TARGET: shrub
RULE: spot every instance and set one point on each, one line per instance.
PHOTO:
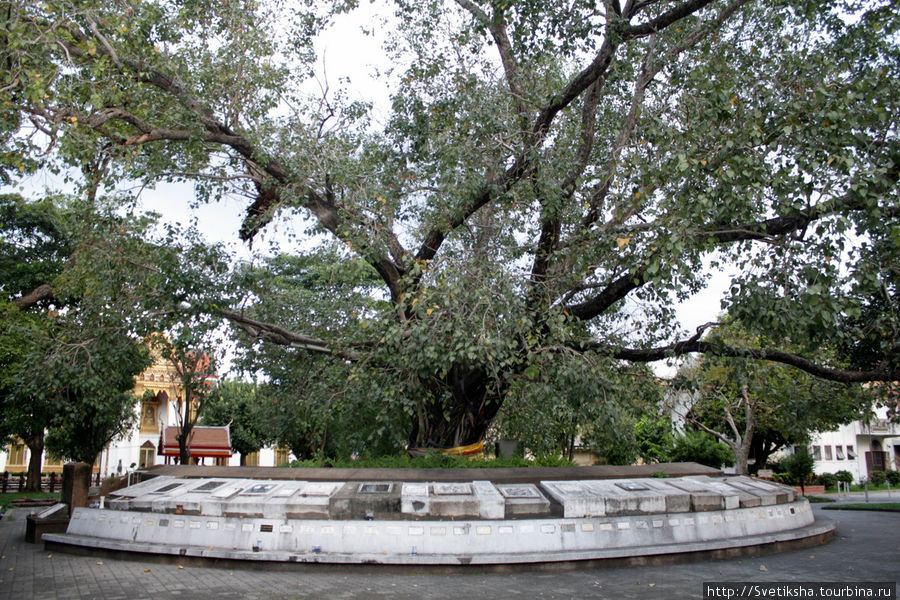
(829, 480)
(845, 476)
(781, 478)
(699, 447)
(776, 466)
(799, 467)
(893, 477)
(877, 477)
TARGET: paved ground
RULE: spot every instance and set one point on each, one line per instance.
(866, 548)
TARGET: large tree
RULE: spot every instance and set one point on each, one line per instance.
(550, 178)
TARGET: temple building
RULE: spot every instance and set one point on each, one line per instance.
(153, 441)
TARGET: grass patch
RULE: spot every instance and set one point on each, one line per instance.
(432, 461)
(872, 488)
(879, 506)
(6, 499)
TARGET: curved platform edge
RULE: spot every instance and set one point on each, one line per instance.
(819, 532)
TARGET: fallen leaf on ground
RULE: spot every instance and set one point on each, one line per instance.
(99, 562)
(146, 570)
(763, 568)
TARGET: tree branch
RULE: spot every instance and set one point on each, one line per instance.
(281, 336)
(219, 133)
(33, 297)
(854, 200)
(886, 371)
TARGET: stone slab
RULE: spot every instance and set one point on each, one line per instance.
(54, 519)
(783, 493)
(523, 499)
(767, 496)
(310, 501)
(361, 500)
(415, 498)
(490, 502)
(703, 497)
(636, 499)
(677, 501)
(576, 498)
(730, 496)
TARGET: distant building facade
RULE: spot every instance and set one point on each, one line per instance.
(151, 441)
(858, 447)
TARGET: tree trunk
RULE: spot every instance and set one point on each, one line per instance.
(35, 445)
(466, 416)
(741, 454)
(762, 449)
(184, 452)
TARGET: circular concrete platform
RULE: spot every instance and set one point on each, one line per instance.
(442, 523)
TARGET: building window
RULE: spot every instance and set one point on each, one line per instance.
(839, 452)
(851, 453)
(817, 452)
(827, 452)
(148, 454)
(16, 455)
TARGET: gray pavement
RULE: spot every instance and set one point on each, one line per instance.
(866, 547)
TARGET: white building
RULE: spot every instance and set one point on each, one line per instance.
(859, 448)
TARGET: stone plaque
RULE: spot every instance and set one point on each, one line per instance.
(518, 491)
(632, 486)
(569, 488)
(285, 491)
(167, 488)
(208, 486)
(452, 489)
(320, 489)
(259, 489)
(375, 488)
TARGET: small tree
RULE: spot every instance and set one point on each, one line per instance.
(87, 376)
(195, 375)
(653, 435)
(799, 467)
(239, 405)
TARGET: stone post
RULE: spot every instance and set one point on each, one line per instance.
(76, 481)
